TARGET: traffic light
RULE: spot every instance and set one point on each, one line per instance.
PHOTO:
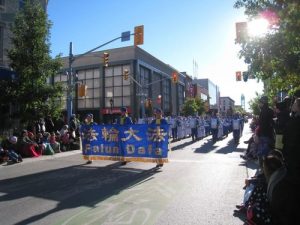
(82, 90)
(126, 74)
(139, 35)
(159, 99)
(105, 59)
(241, 31)
(238, 76)
(245, 75)
(174, 77)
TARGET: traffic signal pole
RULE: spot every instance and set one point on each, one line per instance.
(71, 76)
(125, 36)
(70, 85)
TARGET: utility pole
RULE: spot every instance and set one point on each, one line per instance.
(70, 84)
(125, 36)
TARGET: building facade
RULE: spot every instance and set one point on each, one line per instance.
(226, 106)
(212, 91)
(107, 89)
(8, 10)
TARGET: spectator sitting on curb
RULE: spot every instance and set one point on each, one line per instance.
(54, 142)
(28, 147)
(9, 150)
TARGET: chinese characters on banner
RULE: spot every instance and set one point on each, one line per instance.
(138, 142)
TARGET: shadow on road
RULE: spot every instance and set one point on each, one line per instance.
(206, 147)
(181, 146)
(209, 146)
(230, 147)
(74, 186)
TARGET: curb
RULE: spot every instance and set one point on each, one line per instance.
(46, 157)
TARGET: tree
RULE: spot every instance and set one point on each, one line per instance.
(275, 57)
(193, 106)
(254, 104)
(30, 59)
(239, 109)
(200, 106)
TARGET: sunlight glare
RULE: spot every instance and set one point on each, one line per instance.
(258, 27)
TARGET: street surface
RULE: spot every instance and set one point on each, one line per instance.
(200, 185)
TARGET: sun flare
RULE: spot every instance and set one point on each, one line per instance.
(258, 27)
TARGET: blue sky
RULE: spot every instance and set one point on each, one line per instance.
(177, 32)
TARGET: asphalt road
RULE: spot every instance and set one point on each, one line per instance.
(201, 184)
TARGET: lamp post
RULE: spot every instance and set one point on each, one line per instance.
(111, 101)
(70, 84)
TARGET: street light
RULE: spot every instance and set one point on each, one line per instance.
(111, 102)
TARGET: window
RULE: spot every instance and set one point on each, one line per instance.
(116, 87)
(62, 78)
(166, 95)
(90, 77)
(1, 43)
(180, 95)
(144, 78)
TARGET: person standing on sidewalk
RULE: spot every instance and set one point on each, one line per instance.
(73, 124)
(291, 143)
(265, 130)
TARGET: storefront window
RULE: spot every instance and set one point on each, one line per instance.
(90, 77)
(116, 87)
(166, 95)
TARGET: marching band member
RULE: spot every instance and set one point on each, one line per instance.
(89, 120)
(159, 120)
(214, 127)
(193, 126)
(173, 124)
(124, 119)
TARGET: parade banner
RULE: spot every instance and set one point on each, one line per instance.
(137, 142)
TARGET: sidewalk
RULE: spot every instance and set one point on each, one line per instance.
(44, 157)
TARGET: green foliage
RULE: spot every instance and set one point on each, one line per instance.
(274, 58)
(254, 105)
(240, 110)
(193, 106)
(200, 106)
(30, 58)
